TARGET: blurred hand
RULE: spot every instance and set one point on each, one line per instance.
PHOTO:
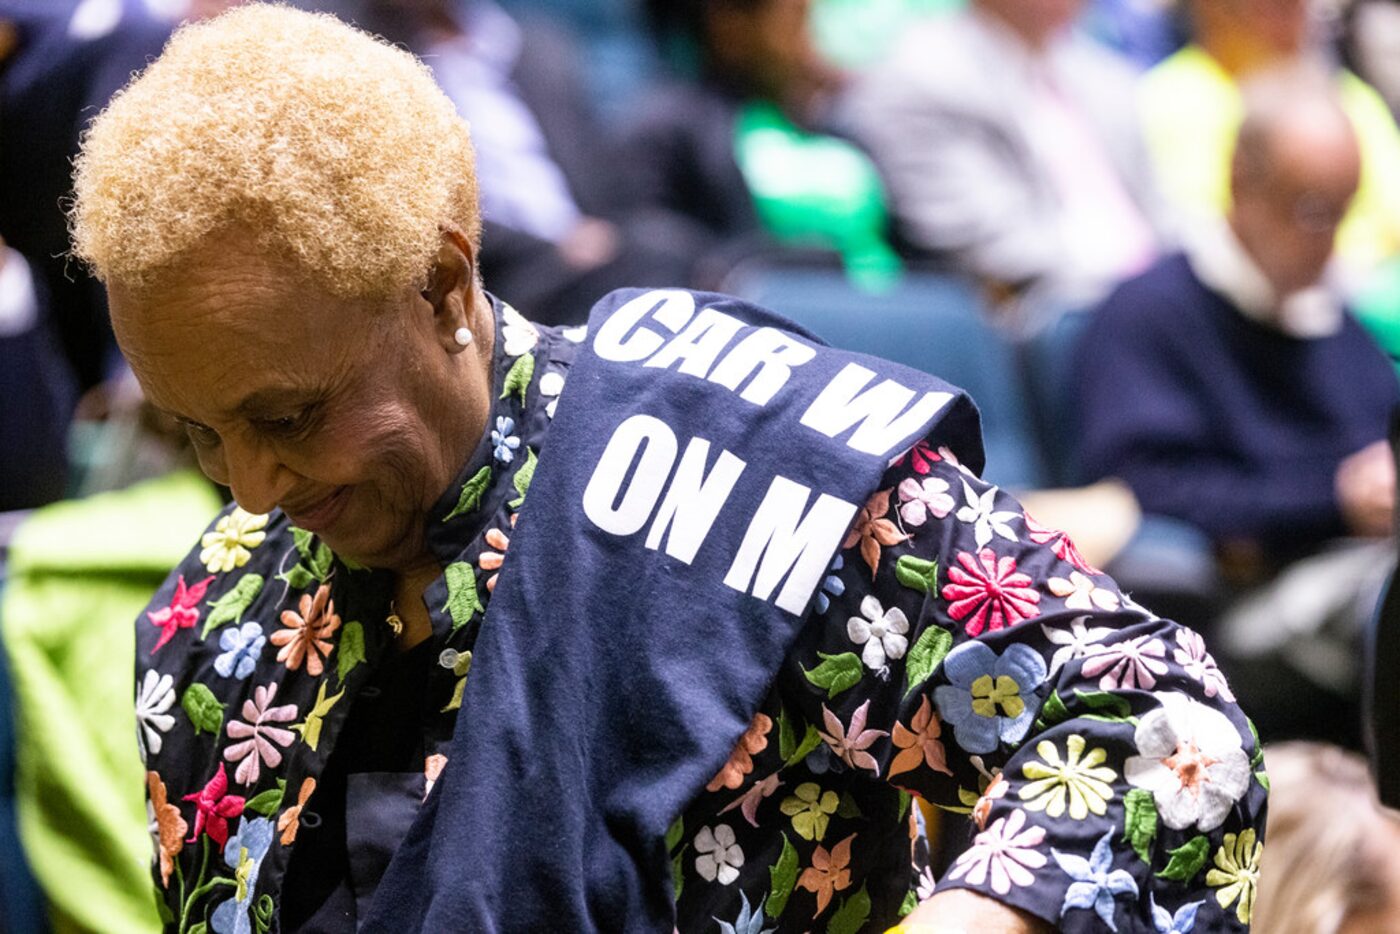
(1365, 485)
(592, 243)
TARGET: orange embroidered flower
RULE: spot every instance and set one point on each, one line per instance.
(829, 873)
(920, 743)
(754, 741)
(307, 636)
(492, 560)
(432, 768)
(983, 808)
(872, 530)
(166, 825)
(290, 819)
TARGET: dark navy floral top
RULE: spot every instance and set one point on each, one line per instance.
(958, 652)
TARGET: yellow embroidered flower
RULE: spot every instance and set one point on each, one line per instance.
(810, 809)
(1237, 873)
(1083, 779)
(227, 547)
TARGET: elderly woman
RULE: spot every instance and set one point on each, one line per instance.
(757, 596)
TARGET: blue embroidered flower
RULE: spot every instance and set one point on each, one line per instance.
(1096, 884)
(241, 647)
(750, 920)
(503, 442)
(833, 585)
(1184, 921)
(243, 854)
(990, 698)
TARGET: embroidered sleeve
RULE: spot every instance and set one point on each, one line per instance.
(973, 658)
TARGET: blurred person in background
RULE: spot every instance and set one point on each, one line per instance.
(1011, 148)
(738, 149)
(1230, 388)
(1191, 110)
(1332, 865)
(553, 195)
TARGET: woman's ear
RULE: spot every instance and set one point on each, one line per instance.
(452, 289)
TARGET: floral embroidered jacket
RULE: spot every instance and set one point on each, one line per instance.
(958, 651)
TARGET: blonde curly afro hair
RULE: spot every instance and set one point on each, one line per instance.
(337, 151)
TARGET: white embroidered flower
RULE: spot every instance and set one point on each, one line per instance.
(1198, 663)
(1080, 593)
(1075, 642)
(1192, 760)
(882, 632)
(922, 498)
(985, 519)
(551, 385)
(520, 335)
(720, 857)
(1126, 665)
(1004, 853)
(156, 696)
(229, 545)
(575, 335)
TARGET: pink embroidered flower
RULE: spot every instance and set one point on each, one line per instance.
(921, 458)
(213, 807)
(258, 736)
(989, 593)
(1004, 853)
(182, 613)
(1127, 665)
(850, 745)
(923, 498)
(1199, 664)
(307, 631)
(1063, 547)
(748, 802)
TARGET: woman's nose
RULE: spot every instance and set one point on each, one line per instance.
(256, 475)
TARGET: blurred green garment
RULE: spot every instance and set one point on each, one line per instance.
(810, 189)
(1377, 307)
(79, 573)
(854, 33)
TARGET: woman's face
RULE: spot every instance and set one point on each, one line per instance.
(352, 417)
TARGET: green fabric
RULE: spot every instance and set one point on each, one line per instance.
(79, 573)
(811, 189)
(855, 33)
(1378, 309)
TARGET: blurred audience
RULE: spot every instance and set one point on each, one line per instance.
(1011, 147)
(1191, 109)
(556, 235)
(737, 151)
(1229, 387)
(1332, 860)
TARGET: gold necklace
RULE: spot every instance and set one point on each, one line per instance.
(394, 620)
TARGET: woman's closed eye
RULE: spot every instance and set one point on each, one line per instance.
(289, 426)
(202, 436)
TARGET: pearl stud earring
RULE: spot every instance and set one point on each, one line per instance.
(463, 337)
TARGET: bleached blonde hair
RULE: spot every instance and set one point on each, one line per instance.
(335, 150)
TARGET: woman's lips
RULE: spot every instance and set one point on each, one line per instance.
(322, 514)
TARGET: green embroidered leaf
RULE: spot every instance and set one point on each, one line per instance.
(677, 872)
(230, 607)
(472, 492)
(523, 476)
(848, 807)
(1099, 718)
(1258, 747)
(1140, 822)
(787, 737)
(266, 803)
(675, 833)
(810, 740)
(1263, 780)
(263, 912)
(310, 728)
(916, 573)
(925, 655)
(852, 914)
(351, 565)
(298, 578)
(1052, 711)
(783, 875)
(836, 673)
(911, 901)
(905, 798)
(462, 599)
(321, 561)
(203, 709)
(200, 928)
(302, 539)
(1103, 702)
(1187, 860)
(518, 379)
(351, 650)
